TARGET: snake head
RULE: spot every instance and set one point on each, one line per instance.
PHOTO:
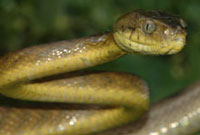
(150, 32)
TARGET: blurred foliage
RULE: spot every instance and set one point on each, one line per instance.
(28, 22)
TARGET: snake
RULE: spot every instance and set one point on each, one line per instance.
(72, 101)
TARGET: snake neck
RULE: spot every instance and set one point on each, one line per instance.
(55, 58)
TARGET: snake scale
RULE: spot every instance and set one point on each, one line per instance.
(97, 103)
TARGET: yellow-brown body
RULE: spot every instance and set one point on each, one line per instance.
(109, 99)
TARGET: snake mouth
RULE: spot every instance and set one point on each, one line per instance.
(130, 46)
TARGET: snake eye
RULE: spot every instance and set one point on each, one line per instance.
(148, 27)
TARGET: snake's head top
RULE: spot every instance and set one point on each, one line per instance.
(150, 32)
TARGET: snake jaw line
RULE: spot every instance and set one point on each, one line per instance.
(147, 49)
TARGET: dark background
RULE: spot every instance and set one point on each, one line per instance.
(25, 23)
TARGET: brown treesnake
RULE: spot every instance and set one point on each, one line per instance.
(96, 102)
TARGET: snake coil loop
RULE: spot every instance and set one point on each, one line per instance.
(109, 99)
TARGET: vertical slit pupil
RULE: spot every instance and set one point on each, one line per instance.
(147, 26)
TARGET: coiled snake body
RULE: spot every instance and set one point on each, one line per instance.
(109, 99)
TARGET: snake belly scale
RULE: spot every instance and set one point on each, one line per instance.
(109, 99)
